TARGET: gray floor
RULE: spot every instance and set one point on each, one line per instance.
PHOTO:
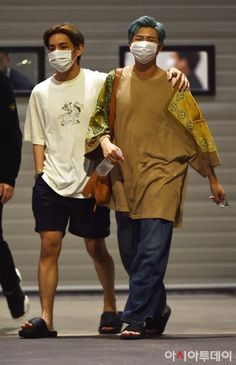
(202, 329)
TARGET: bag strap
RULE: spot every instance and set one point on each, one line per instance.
(112, 103)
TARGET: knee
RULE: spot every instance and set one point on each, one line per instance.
(97, 250)
(50, 247)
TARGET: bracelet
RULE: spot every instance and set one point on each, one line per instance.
(37, 173)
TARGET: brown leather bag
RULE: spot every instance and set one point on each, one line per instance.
(99, 187)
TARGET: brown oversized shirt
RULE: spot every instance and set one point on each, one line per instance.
(157, 149)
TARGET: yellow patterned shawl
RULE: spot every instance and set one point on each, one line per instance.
(184, 108)
(99, 122)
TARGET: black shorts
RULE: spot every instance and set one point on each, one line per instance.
(52, 212)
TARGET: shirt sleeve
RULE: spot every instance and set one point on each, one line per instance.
(99, 122)
(184, 108)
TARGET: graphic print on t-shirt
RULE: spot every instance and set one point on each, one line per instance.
(71, 113)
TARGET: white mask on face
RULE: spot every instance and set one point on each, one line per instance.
(61, 60)
(143, 51)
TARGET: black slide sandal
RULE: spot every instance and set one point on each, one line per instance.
(39, 329)
(112, 320)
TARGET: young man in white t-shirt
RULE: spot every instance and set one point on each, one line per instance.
(57, 119)
(56, 123)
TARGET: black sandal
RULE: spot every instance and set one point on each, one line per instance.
(110, 323)
(39, 329)
(134, 327)
(156, 326)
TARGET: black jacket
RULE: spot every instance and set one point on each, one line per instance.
(10, 134)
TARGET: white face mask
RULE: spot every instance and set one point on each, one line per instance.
(61, 60)
(143, 51)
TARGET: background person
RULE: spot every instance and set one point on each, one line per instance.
(18, 80)
(10, 152)
(187, 62)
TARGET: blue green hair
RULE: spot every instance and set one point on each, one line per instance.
(146, 21)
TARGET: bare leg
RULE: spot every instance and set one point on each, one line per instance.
(48, 274)
(104, 266)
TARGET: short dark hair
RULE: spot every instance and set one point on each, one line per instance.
(192, 58)
(75, 36)
(146, 21)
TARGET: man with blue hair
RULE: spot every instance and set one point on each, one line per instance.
(158, 132)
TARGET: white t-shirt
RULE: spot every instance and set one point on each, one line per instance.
(57, 117)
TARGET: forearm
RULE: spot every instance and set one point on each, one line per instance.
(39, 157)
(212, 175)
